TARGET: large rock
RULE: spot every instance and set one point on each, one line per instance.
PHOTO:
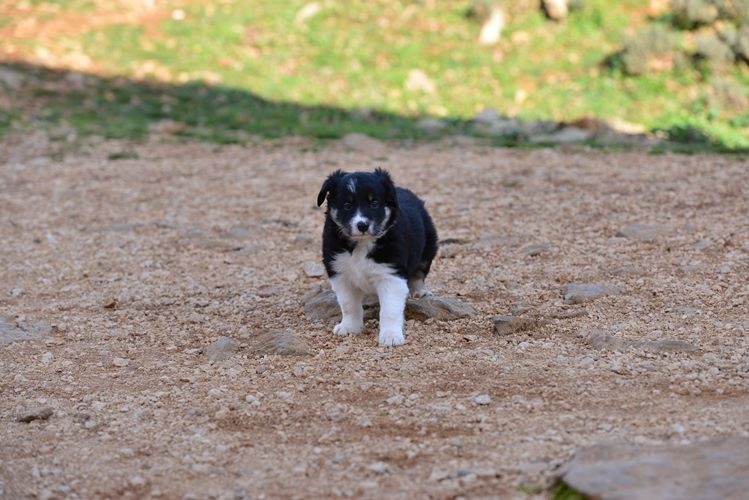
(713, 469)
(320, 304)
(436, 307)
(13, 331)
(577, 293)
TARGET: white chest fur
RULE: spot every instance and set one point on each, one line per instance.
(359, 270)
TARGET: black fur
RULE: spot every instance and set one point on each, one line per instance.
(407, 240)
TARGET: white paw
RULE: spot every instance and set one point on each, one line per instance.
(344, 328)
(391, 337)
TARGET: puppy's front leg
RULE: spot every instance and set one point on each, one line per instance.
(350, 299)
(392, 292)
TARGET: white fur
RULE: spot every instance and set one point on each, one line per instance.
(351, 186)
(356, 219)
(358, 276)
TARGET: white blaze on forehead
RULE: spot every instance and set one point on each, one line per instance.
(351, 185)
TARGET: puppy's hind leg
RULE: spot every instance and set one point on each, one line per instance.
(350, 299)
(392, 293)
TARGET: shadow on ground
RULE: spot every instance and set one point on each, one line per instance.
(119, 107)
(37, 97)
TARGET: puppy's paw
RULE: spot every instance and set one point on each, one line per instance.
(345, 328)
(417, 294)
(391, 337)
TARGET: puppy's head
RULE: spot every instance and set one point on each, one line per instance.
(362, 204)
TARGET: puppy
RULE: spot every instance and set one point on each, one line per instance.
(377, 239)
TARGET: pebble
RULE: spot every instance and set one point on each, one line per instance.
(541, 248)
(121, 362)
(279, 342)
(577, 293)
(505, 325)
(34, 413)
(221, 349)
(482, 399)
(379, 467)
(314, 269)
(642, 232)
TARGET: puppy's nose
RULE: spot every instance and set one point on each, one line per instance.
(362, 226)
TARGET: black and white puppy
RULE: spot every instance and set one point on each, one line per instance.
(378, 239)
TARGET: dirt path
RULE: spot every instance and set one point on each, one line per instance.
(137, 264)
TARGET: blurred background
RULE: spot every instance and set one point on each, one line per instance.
(519, 72)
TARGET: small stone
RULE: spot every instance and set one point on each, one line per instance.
(47, 358)
(110, 303)
(121, 362)
(268, 291)
(505, 325)
(221, 349)
(34, 413)
(603, 341)
(379, 467)
(395, 400)
(21, 331)
(665, 345)
(482, 399)
(577, 293)
(536, 250)
(314, 269)
(137, 481)
(279, 342)
(642, 232)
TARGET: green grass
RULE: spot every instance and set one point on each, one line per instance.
(563, 492)
(237, 66)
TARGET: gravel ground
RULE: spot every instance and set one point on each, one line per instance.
(124, 270)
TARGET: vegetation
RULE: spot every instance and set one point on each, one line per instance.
(226, 69)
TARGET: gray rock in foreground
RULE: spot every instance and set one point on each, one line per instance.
(34, 413)
(278, 342)
(713, 469)
(505, 325)
(320, 304)
(222, 349)
(577, 293)
(12, 331)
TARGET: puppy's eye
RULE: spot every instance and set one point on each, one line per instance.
(374, 203)
(347, 206)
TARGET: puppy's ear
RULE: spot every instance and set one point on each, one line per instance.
(390, 197)
(329, 185)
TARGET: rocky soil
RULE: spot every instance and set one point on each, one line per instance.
(154, 340)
